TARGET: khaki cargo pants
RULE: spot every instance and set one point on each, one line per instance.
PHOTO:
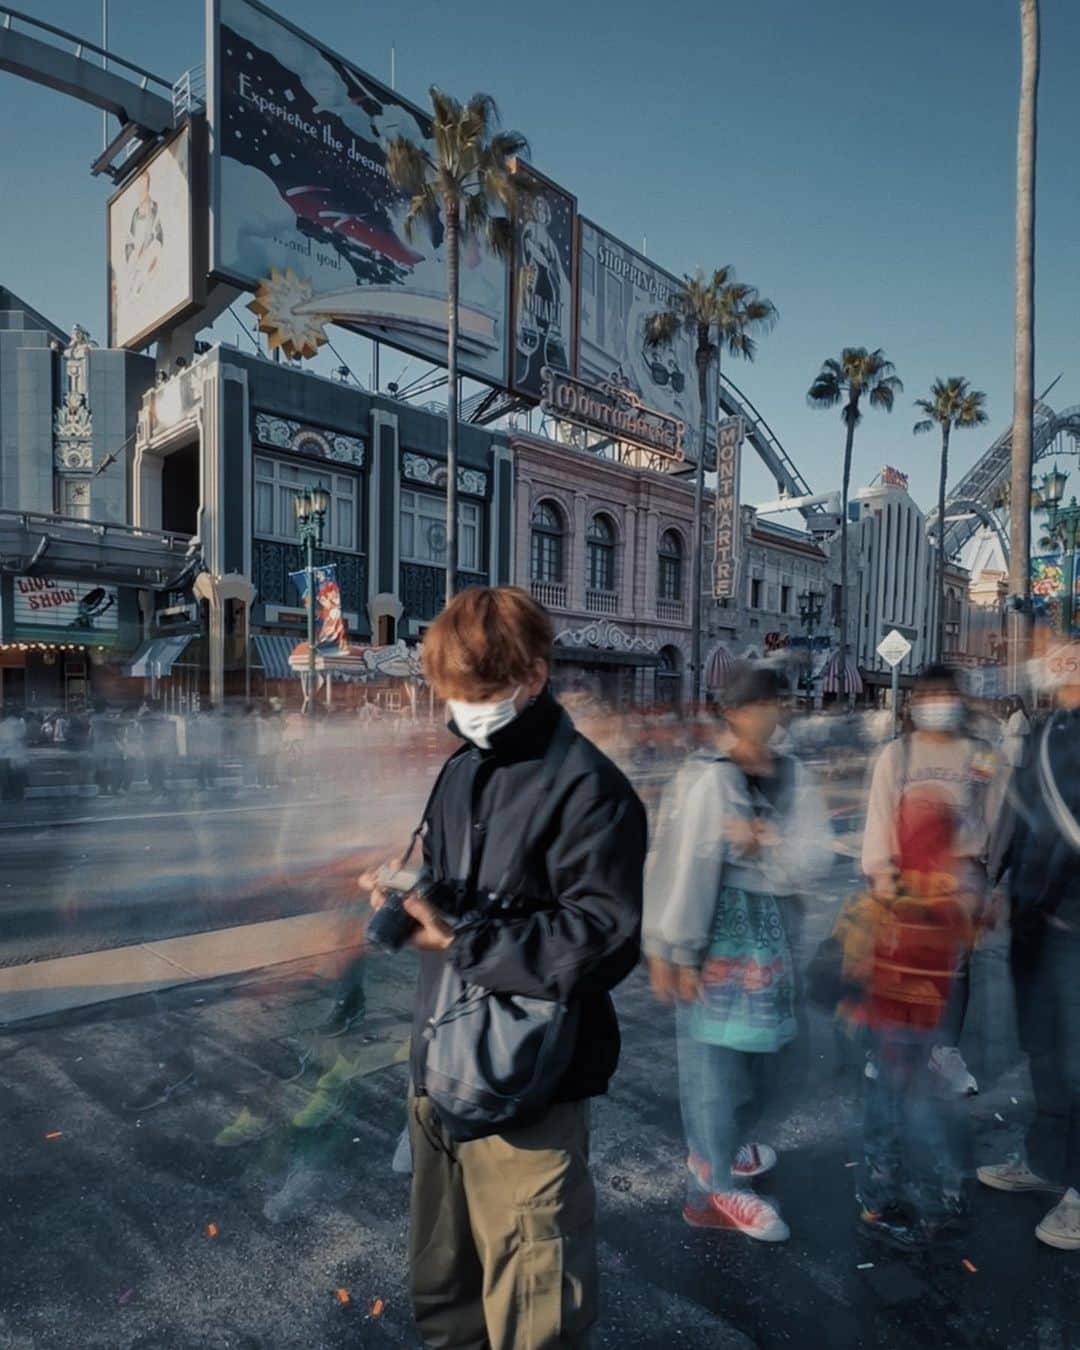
(502, 1244)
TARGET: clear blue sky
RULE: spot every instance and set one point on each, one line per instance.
(854, 159)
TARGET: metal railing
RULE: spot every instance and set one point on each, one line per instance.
(670, 611)
(147, 79)
(602, 602)
(551, 594)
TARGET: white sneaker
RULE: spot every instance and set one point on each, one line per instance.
(753, 1160)
(1013, 1175)
(1061, 1227)
(949, 1062)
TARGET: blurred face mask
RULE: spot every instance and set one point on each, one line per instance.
(938, 715)
(478, 722)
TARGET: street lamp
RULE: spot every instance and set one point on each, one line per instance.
(811, 606)
(311, 506)
(1063, 524)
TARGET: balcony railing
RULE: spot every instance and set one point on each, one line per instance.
(551, 594)
(272, 563)
(670, 611)
(602, 602)
(423, 589)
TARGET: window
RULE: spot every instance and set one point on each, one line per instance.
(755, 592)
(773, 599)
(546, 562)
(785, 599)
(75, 498)
(276, 486)
(600, 555)
(423, 531)
(669, 581)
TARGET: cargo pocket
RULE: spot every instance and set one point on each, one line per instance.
(556, 1283)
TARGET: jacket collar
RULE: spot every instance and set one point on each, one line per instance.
(529, 734)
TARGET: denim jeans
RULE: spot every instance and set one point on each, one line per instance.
(908, 1158)
(722, 1094)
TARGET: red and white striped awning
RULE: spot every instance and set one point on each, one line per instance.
(841, 677)
(718, 667)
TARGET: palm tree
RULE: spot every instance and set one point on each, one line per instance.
(858, 374)
(468, 187)
(952, 403)
(720, 314)
(1024, 370)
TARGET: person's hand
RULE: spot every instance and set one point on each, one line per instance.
(434, 934)
(742, 836)
(662, 979)
(687, 984)
(883, 886)
(371, 881)
(766, 834)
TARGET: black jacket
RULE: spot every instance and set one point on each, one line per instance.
(575, 931)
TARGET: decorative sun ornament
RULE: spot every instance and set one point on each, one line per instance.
(276, 302)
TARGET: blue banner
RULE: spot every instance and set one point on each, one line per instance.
(331, 633)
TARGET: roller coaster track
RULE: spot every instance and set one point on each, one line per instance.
(978, 494)
(766, 442)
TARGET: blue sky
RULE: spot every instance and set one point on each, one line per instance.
(853, 159)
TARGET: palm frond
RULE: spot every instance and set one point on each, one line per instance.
(926, 424)
(661, 328)
(826, 390)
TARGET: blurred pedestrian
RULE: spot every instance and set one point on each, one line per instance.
(1039, 846)
(956, 776)
(533, 851)
(743, 833)
(1017, 729)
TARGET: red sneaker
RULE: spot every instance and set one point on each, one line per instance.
(753, 1160)
(745, 1211)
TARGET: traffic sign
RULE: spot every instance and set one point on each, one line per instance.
(894, 648)
(912, 634)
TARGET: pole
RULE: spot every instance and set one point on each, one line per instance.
(309, 541)
(1070, 577)
(105, 66)
(896, 700)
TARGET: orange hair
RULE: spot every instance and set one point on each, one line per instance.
(487, 639)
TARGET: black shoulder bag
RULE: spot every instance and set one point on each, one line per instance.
(495, 1060)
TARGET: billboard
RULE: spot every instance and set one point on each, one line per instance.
(618, 290)
(83, 610)
(729, 438)
(544, 264)
(155, 232)
(304, 210)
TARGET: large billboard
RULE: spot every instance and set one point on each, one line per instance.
(618, 290)
(544, 265)
(156, 242)
(303, 207)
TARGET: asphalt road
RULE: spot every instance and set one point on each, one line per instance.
(82, 875)
(137, 1233)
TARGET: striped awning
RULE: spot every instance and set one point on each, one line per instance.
(156, 658)
(718, 667)
(841, 677)
(274, 650)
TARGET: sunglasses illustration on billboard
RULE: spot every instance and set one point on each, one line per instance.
(94, 605)
(663, 375)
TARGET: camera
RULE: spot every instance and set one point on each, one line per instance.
(391, 927)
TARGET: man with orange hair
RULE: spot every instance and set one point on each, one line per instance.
(534, 845)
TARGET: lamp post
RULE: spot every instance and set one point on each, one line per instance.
(1063, 525)
(311, 506)
(811, 606)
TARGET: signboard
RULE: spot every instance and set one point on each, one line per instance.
(894, 648)
(612, 410)
(79, 609)
(544, 266)
(894, 478)
(618, 290)
(155, 228)
(729, 438)
(303, 206)
(1049, 586)
(912, 634)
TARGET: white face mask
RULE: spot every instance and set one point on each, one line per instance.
(477, 722)
(946, 715)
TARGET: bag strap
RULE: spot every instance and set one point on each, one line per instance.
(453, 759)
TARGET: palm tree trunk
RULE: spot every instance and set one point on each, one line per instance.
(845, 488)
(1024, 370)
(939, 646)
(453, 294)
(698, 559)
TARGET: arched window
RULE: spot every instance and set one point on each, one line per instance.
(669, 676)
(670, 579)
(600, 554)
(547, 543)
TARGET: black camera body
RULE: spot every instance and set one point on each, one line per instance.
(391, 926)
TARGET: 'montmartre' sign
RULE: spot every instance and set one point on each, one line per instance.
(729, 436)
(613, 411)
